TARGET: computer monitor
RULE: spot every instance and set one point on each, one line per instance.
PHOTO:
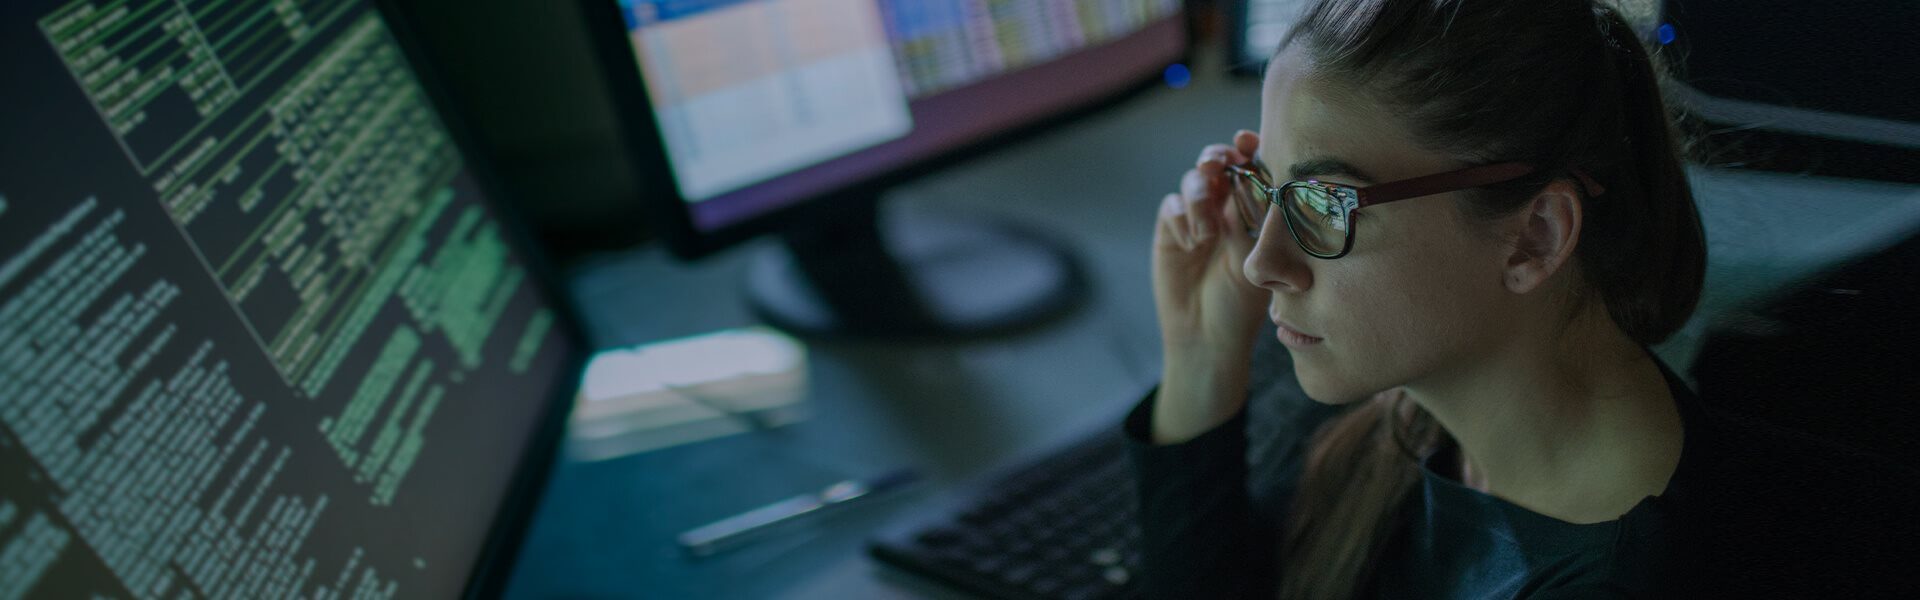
(1255, 29)
(791, 116)
(262, 333)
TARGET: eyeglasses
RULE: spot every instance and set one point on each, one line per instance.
(1319, 215)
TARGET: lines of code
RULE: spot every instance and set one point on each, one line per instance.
(260, 335)
(349, 145)
(140, 481)
(28, 556)
(128, 54)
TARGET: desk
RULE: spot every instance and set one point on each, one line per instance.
(956, 410)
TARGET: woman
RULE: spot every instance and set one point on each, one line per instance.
(1478, 206)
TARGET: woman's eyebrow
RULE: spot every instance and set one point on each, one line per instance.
(1324, 166)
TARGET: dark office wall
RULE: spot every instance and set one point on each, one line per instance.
(525, 77)
(1851, 59)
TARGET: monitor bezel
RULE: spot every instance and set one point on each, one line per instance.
(1236, 34)
(671, 216)
(489, 574)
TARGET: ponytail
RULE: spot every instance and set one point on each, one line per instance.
(1649, 300)
(1359, 470)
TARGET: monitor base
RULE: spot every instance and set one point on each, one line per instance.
(926, 277)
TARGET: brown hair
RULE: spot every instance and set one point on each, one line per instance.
(1560, 84)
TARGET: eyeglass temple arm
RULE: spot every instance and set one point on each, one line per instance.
(1471, 177)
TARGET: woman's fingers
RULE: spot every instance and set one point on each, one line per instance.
(1172, 229)
(1200, 193)
(1213, 163)
(1214, 154)
(1246, 143)
(1196, 215)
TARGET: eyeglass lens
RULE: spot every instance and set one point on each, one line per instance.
(1252, 199)
(1312, 214)
(1315, 218)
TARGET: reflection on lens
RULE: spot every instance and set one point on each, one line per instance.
(1252, 199)
(1316, 219)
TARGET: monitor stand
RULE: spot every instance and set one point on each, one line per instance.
(841, 276)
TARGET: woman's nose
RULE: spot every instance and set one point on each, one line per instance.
(1276, 263)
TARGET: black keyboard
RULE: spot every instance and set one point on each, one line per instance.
(1061, 527)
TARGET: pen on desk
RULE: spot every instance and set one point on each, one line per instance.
(718, 535)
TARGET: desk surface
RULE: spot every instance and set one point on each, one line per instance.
(955, 411)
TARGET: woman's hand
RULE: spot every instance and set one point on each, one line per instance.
(1208, 310)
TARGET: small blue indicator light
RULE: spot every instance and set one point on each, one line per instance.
(1666, 33)
(1178, 76)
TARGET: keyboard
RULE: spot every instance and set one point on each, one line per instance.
(1060, 527)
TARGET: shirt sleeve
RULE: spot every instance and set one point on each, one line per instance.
(1199, 536)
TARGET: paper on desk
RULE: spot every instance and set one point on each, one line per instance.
(680, 391)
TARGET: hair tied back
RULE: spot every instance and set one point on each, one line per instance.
(1604, 19)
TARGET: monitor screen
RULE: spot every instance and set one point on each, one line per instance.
(260, 333)
(1259, 29)
(762, 103)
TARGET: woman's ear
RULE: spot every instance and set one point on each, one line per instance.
(1545, 236)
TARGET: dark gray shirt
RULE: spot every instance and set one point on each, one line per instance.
(1211, 509)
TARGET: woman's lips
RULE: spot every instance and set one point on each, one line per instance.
(1293, 338)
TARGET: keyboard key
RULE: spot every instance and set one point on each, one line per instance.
(1048, 586)
(1087, 593)
(1021, 574)
(1054, 554)
(989, 564)
(1063, 527)
(1022, 548)
(1006, 531)
(1105, 557)
(940, 537)
(1053, 507)
(1026, 520)
(983, 514)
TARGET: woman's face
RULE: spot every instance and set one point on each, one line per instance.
(1420, 291)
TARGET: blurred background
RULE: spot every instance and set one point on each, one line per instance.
(1806, 141)
(528, 78)
(832, 298)
(1806, 130)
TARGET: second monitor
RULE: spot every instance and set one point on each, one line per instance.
(792, 116)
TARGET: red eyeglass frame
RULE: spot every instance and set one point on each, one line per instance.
(1350, 199)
